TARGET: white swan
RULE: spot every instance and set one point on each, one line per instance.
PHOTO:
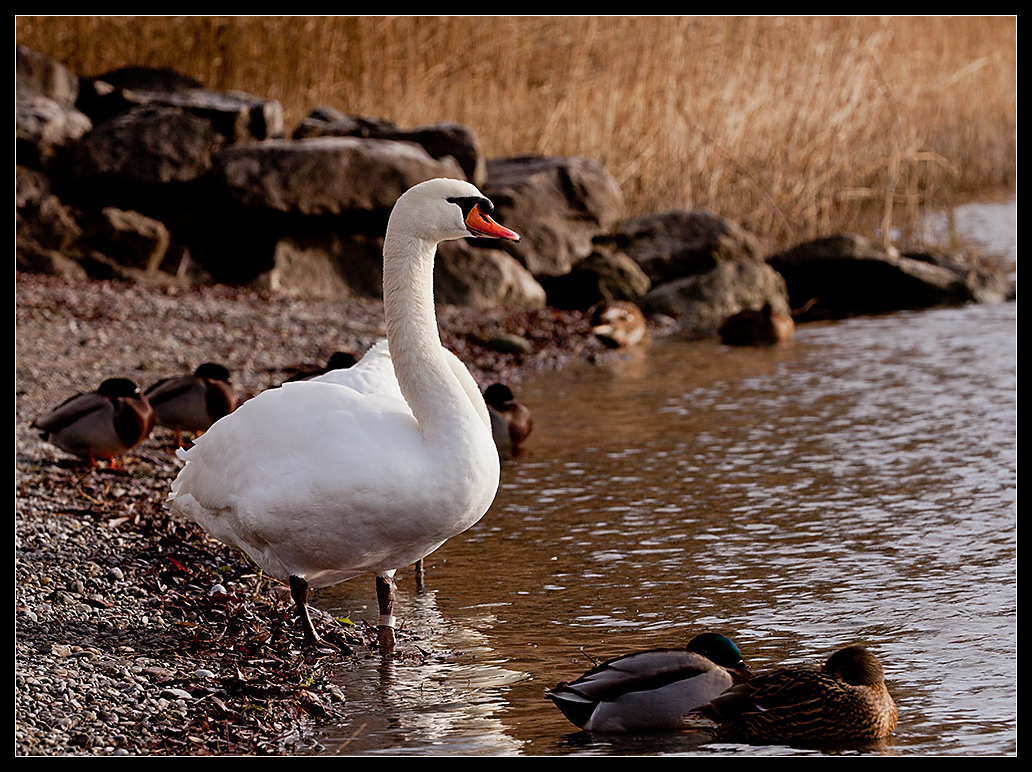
(319, 482)
(374, 374)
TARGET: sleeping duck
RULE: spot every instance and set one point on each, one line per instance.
(619, 323)
(651, 690)
(764, 327)
(101, 424)
(844, 701)
(192, 403)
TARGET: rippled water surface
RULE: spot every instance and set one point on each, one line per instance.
(857, 484)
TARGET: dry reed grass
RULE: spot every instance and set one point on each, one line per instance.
(792, 126)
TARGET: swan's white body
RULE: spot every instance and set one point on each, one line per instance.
(328, 479)
(374, 374)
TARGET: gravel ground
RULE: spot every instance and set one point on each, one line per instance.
(135, 633)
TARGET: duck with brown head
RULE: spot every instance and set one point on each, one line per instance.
(845, 701)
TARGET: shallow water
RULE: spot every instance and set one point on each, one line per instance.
(855, 485)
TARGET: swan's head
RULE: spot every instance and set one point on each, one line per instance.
(444, 209)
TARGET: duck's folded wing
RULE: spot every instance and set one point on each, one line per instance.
(643, 671)
(71, 410)
(167, 390)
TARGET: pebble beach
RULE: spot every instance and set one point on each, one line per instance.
(135, 633)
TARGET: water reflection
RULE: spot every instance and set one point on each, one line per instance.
(858, 485)
(416, 705)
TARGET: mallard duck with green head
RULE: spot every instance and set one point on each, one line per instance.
(763, 327)
(652, 690)
(192, 403)
(102, 424)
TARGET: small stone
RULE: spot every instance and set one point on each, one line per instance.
(507, 343)
(176, 694)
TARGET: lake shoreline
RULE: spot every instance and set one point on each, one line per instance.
(135, 633)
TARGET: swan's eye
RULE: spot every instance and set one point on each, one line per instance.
(466, 204)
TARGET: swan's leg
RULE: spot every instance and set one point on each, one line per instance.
(385, 625)
(299, 592)
(419, 575)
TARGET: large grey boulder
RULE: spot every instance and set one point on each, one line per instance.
(702, 302)
(36, 74)
(235, 116)
(323, 266)
(147, 145)
(330, 266)
(440, 140)
(603, 276)
(702, 267)
(671, 245)
(559, 206)
(44, 128)
(40, 215)
(848, 275)
(127, 237)
(325, 175)
(466, 275)
(46, 120)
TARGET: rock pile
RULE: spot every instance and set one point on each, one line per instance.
(147, 175)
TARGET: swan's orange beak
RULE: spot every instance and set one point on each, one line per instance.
(480, 224)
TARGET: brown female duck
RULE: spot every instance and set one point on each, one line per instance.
(619, 323)
(764, 327)
(845, 701)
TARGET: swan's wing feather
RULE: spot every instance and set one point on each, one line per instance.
(372, 374)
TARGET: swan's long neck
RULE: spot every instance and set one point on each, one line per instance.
(427, 382)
